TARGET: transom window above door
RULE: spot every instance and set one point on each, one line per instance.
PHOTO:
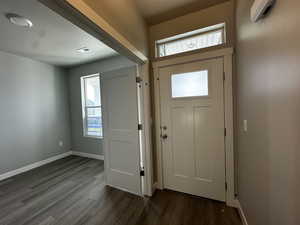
(91, 106)
(189, 41)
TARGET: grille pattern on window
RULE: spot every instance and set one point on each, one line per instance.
(191, 41)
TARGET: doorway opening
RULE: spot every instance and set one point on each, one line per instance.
(194, 126)
(71, 69)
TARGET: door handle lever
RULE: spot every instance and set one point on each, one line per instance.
(164, 136)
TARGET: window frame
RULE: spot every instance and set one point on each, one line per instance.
(85, 107)
(202, 31)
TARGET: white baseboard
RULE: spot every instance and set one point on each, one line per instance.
(233, 203)
(46, 161)
(154, 187)
(88, 155)
(33, 166)
(241, 212)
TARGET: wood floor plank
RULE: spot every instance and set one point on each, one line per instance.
(72, 191)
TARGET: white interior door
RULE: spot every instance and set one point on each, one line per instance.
(192, 119)
(121, 138)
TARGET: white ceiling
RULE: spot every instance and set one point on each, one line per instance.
(52, 39)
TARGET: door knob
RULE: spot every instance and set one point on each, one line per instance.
(164, 136)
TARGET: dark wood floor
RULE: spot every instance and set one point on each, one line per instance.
(71, 191)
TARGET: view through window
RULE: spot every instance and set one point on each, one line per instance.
(192, 84)
(197, 39)
(91, 106)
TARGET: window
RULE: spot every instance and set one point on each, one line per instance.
(197, 39)
(91, 106)
(193, 84)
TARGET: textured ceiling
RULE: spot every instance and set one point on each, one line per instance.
(52, 39)
(157, 11)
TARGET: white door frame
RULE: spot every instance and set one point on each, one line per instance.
(145, 103)
(226, 54)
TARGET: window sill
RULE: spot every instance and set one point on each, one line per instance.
(92, 137)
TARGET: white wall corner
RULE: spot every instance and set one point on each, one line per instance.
(241, 212)
(88, 155)
(33, 166)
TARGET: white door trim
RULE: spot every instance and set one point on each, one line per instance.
(145, 103)
(226, 54)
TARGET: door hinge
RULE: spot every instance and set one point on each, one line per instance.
(138, 79)
(225, 132)
(140, 126)
(224, 76)
(225, 186)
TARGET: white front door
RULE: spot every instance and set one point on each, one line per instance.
(121, 138)
(192, 124)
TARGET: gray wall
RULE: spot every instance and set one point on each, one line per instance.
(79, 142)
(268, 70)
(34, 113)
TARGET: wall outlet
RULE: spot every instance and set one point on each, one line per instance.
(245, 125)
(61, 143)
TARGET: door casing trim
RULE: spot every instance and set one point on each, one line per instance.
(147, 159)
(226, 54)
